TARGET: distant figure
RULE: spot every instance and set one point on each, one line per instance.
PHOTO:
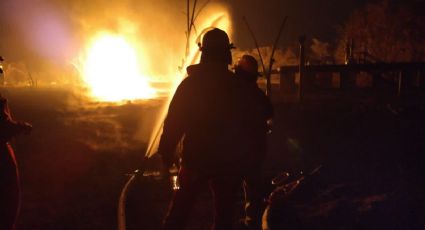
(9, 177)
(1, 71)
(206, 113)
(261, 112)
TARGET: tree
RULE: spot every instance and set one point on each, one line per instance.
(389, 31)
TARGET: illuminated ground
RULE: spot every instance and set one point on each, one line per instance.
(73, 167)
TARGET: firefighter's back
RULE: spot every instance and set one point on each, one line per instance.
(213, 135)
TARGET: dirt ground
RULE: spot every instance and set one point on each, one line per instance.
(74, 164)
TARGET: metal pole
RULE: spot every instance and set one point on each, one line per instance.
(269, 72)
(301, 41)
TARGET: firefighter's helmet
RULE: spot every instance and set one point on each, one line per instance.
(215, 39)
(216, 47)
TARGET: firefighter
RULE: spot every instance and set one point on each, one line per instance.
(261, 113)
(205, 112)
(9, 176)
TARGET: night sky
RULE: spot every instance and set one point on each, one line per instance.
(23, 22)
(315, 19)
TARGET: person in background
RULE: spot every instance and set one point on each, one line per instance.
(9, 175)
(1, 71)
(261, 114)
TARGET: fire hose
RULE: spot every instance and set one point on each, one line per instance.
(122, 201)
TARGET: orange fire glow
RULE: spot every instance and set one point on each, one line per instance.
(114, 66)
(113, 70)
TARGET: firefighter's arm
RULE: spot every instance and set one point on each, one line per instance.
(8, 127)
(174, 125)
(12, 128)
(23, 127)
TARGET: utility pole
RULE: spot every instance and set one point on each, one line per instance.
(301, 41)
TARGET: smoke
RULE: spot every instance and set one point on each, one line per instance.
(51, 34)
(46, 40)
(55, 32)
(35, 30)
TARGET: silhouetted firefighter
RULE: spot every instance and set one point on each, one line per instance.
(9, 177)
(260, 112)
(209, 110)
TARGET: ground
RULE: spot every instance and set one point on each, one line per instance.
(74, 164)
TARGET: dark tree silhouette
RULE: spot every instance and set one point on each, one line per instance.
(390, 31)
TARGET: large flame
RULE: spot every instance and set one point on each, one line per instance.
(113, 66)
(113, 70)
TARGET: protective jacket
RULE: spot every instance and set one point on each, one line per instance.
(260, 110)
(208, 111)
